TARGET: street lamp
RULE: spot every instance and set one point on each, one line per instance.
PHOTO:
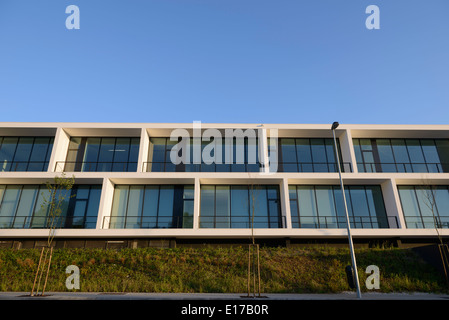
(351, 245)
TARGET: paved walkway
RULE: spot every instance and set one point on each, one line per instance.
(219, 296)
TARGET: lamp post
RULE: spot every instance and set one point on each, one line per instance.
(351, 245)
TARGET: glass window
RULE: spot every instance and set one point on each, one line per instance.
(326, 206)
(307, 207)
(308, 155)
(9, 205)
(224, 206)
(323, 207)
(425, 206)
(402, 155)
(240, 209)
(134, 210)
(119, 207)
(27, 206)
(102, 154)
(153, 206)
(25, 153)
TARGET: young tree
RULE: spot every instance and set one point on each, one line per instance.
(253, 249)
(54, 201)
(428, 193)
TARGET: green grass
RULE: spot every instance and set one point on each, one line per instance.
(208, 269)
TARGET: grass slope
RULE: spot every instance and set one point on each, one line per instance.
(208, 269)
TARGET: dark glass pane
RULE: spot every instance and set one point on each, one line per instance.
(121, 154)
(26, 206)
(93, 204)
(303, 150)
(166, 201)
(187, 216)
(294, 213)
(22, 155)
(288, 149)
(7, 151)
(400, 151)
(443, 153)
(307, 207)
(240, 209)
(106, 155)
(158, 152)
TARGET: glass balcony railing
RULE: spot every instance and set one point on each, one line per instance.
(403, 167)
(358, 222)
(78, 166)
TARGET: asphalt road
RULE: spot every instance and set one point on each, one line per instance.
(219, 296)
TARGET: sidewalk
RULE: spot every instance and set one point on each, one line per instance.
(219, 296)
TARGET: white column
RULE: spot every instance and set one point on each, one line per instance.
(105, 208)
(263, 150)
(143, 151)
(59, 152)
(196, 204)
(285, 203)
(347, 150)
(392, 202)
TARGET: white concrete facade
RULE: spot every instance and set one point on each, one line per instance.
(345, 133)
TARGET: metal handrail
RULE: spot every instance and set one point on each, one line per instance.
(330, 222)
(14, 165)
(243, 222)
(96, 166)
(33, 222)
(304, 166)
(430, 167)
(432, 222)
(168, 166)
(142, 222)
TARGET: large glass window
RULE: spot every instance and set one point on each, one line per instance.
(25, 153)
(425, 206)
(234, 155)
(152, 206)
(323, 207)
(24, 206)
(402, 155)
(240, 206)
(309, 155)
(102, 154)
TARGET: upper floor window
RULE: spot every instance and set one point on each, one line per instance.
(25, 153)
(309, 155)
(25, 206)
(234, 155)
(102, 154)
(402, 155)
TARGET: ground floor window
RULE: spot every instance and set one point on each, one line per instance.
(425, 206)
(24, 206)
(322, 206)
(152, 206)
(240, 206)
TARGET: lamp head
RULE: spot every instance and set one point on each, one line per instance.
(335, 125)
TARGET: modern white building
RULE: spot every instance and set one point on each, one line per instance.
(131, 192)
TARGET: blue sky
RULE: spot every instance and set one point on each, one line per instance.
(237, 61)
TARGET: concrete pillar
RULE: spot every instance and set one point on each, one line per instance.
(59, 152)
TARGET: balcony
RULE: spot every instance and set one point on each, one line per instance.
(357, 222)
(96, 166)
(168, 166)
(403, 167)
(140, 222)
